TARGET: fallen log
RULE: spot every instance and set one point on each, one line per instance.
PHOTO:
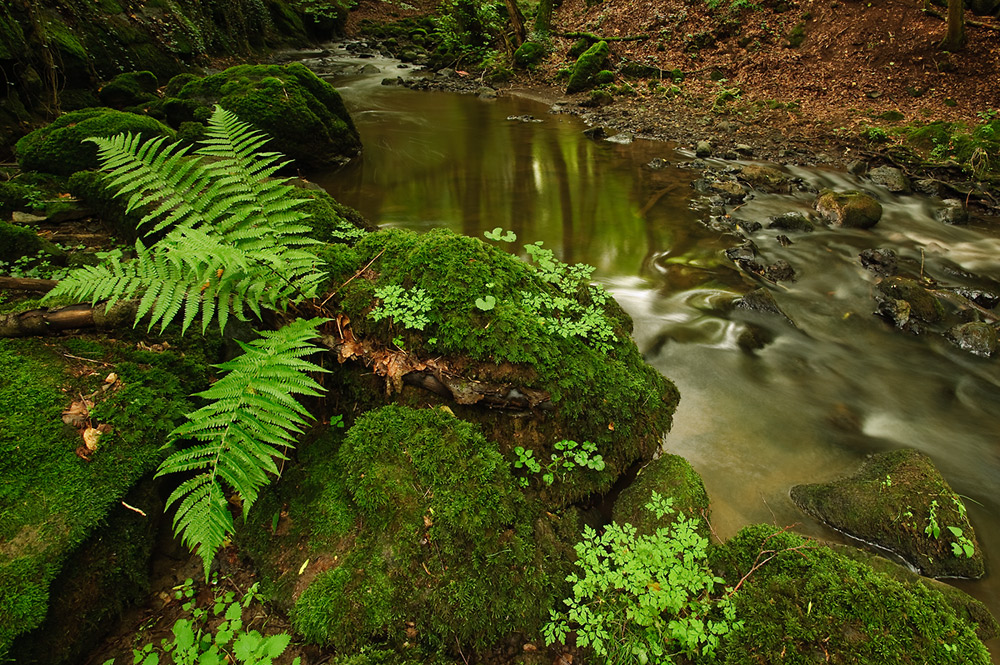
(45, 321)
(26, 284)
(596, 38)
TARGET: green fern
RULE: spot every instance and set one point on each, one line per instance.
(240, 434)
(233, 241)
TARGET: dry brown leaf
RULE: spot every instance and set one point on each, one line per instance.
(91, 435)
(111, 378)
(77, 414)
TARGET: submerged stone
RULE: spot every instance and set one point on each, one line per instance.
(881, 261)
(850, 209)
(953, 211)
(975, 337)
(791, 221)
(766, 179)
(899, 501)
(891, 178)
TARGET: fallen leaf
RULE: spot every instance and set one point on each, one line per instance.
(428, 522)
(90, 437)
(77, 414)
(111, 378)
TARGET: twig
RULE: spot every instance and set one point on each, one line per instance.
(133, 509)
(757, 564)
(89, 360)
(353, 277)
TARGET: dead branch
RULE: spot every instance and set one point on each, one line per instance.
(595, 38)
(979, 24)
(45, 321)
(26, 284)
(758, 563)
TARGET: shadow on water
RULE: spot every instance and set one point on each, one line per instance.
(839, 385)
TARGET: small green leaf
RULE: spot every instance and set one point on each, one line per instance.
(486, 304)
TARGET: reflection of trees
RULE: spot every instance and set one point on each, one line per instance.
(560, 171)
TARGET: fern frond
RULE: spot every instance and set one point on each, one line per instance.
(250, 419)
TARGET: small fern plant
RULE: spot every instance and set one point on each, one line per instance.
(230, 243)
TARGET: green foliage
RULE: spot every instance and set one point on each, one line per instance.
(233, 241)
(35, 267)
(568, 456)
(195, 643)
(406, 307)
(587, 67)
(645, 598)
(252, 417)
(500, 235)
(875, 134)
(974, 148)
(62, 147)
(464, 31)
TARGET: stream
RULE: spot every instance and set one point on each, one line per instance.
(808, 407)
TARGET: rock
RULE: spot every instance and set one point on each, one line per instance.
(670, 476)
(486, 93)
(882, 262)
(595, 133)
(791, 221)
(849, 209)
(703, 149)
(623, 138)
(587, 67)
(743, 149)
(528, 54)
(766, 179)
(369, 69)
(783, 240)
(393, 81)
(761, 301)
(922, 304)
(953, 211)
(129, 89)
(857, 167)
(657, 163)
(975, 337)
(19, 217)
(929, 187)
(780, 271)
(749, 226)
(983, 298)
(446, 73)
(891, 178)
(899, 501)
(18, 241)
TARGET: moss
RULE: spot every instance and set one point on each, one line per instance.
(18, 241)
(923, 304)
(529, 54)
(670, 476)
(612, 399)
(14, 197)
(61, 148)
(813, 605)
(129, 89)
(579, 47)
(587, 67)
(850, 209)
(448, 543)
(303, 114)
(895, 501)
(330, 220)
(89, 187)
(52, 500)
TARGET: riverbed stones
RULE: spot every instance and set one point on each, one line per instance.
(765, 179)
(761, 301)
(791, 221)
(975, 337)
(891, 178)
(899, 501)
(703, 149)
(952, 211)
(921, 303)
(881, 261)
(849, 209)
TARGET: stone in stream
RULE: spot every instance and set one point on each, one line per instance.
(791, 221)
(975, 337)
(765, 179)
(670, 476)
(703, 149)
(921, 304)
(899, 501)
(891, 178)
(880, 261)
(953, 211)
(849, 209)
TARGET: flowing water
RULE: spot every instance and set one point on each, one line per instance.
(809, 407)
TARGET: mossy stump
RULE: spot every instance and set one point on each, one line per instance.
(899, 501)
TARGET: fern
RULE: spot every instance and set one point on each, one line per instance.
(232, 240)
(252, 418)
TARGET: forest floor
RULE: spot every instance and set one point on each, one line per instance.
(858, 66)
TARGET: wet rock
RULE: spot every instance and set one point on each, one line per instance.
(393, 81)
(762, 302)
(923, 304)
(595, 133)
(670, 476)
(880, 261)
(891, 178)
(623, 138)
(754, 338)
(791, 221)
(857, 167)
(783, 240)
(780, 271)
(952, 212)
(369, 68)
(766, 179)
(525, 118)
(486, 92)
(657, 163)
(703, 149)
(749, 226)
(745, 252)
(929, 187)
(987, 299)
(446, 73)
(975, 337)
(899, 501)
(850, 209)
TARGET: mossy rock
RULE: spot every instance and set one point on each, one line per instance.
(55, 502)
(976, 337)
(670, 476)
(899, 501)
(303, 114)
(850, 209)
(765, 179)
(587, 67)
(529, 54)
(13, 197)
(809, 604)
(923, 304)
(61, 147)
(18, 241)
(331, 221)
(129, 89)
(634, 69)
(565, 386)
(416, 532)
(90, 187)
(791, 221)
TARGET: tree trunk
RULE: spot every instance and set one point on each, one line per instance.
(543, 19)
(954, 39)
(516, 20)
(27, 284)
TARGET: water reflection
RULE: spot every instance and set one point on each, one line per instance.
(835, 387)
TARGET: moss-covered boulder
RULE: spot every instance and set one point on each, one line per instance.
(529, 54)
(808, 604)
(416, 532)
(129, 89)
(303, 114)
(72, 556)
(587, 67)
(531, 352)
(920, 303)
(18, 241)
(13, 197)
(850, 209)
(791, 221)
(671, 476)
(765, 179)
(61, 147)
(899, 501)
